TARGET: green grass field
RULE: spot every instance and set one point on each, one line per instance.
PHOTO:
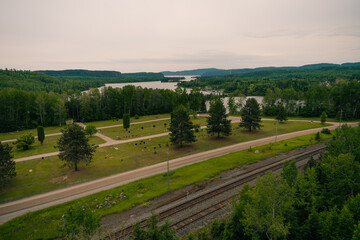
(132, 120)
(44, 224)
(47, 175)
(144, 129)
(15, 135)
(47, 147)
(56, 129)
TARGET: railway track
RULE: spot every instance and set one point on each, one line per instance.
(237, 181)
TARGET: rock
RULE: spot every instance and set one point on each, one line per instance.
(257, 151)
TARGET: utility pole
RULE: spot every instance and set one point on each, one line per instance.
(167, 160)
(276, 132)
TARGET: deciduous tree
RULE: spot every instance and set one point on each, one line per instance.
(7, 165)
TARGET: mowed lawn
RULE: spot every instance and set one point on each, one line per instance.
(15, 135)
(47, 175)
(132, 120)
(48, 146)
(144, 129)
(56, 129)
(44, 224)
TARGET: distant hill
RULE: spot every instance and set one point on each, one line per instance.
(207, 72)
(80, 73)
(143, 74)
(189, 72)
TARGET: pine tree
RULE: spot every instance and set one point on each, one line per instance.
(181, 127)
(281, 113)
(217, 121)
(250, 115)
(74, 146)
(41, 134)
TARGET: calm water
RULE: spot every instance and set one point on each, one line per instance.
(154, 85)
(173, 86)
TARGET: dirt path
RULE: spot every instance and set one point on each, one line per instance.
(19, 207)
(83, 125)
(111, 142)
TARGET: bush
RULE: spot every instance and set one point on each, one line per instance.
(325, 131)
(90, 130)
(25, 141)
(136, 116)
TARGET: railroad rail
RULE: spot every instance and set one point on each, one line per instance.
(237, 181)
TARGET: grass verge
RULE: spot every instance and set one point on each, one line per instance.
(47, 175)
(43, 224)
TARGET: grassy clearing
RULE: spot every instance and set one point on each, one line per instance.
(144, 129)
(132, 120)
(47, 175)
(43, 224)
(56, 129)
(15, 135)
(47, 147)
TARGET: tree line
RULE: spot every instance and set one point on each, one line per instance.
(257, 82)
(338, 100)
(20, 109)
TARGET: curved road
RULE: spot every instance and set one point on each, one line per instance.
(19, 207)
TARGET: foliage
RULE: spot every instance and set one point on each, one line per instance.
(290, 172)
(41, 134)
(250, 115)
(24, 141)
(271, 203)
(326, 131)
(281, 114)
(74, 146)
(25, 109)
(153, 231)
(90, 130)
(217, 121)
(7, 165)
(79, 223)
(323, 117)
(181, 128)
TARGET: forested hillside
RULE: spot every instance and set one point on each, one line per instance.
(80, 73)
(37, 81)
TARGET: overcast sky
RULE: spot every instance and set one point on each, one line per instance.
(158, 35)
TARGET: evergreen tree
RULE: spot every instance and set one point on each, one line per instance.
(126, 121)
(74, 146)
(250, 115)
(41, 134)
(281, 113)
(7, 165)
(323, 117)
(181, 127)
(217, 121)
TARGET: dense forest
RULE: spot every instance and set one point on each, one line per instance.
(64, 81)
(306, 92)
(321, 203)
(20, 109)
(257, 82)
